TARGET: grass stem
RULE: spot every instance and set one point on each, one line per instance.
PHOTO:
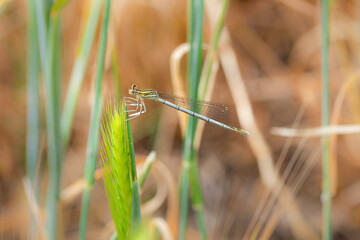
(32, 136)
(52, 95)
(190, 169)
(115, 73)
(49, 38)
(212, 52)
(326, 181)
(135, 202)
(146, 168)
(78, 71)
(92, 144)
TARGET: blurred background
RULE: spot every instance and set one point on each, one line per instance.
(278, 51)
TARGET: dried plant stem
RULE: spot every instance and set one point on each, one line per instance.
(246, 116)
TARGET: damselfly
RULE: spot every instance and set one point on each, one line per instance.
(199, 109)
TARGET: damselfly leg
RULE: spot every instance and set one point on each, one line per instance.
(135, 106)
(132, 104)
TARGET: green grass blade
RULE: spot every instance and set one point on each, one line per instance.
(197, 201)
(52, 93)
(78, 71)
(184, 193)
(116, 160)
(115, 72)
(58, 6)
(195, 39)
(42, 33)
(326, 177)
(195, 33)
(92, 144)
(135, 204)
(146, 168)
(56, 75)
(32, 136)
(49, 39)
(132, 150)
(47, 7)
(212, 52)
(197, 197)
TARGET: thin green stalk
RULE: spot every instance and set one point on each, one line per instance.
(195, 66)
(184, 192)
(92, 144)
(32, 136)
(115, 73)
(190, 169)
(52, 94)
(197, 196)
(42, 33)
(211, 56)
(49, 39)
(135, 203)
(58, 6)
(326, 177)
(57, 77)
(47, 6)
(78, 72)
(146, 168)
(33, 120)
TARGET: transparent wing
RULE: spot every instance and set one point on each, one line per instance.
(206, 108)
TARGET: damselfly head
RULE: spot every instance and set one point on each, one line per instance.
(133, 90)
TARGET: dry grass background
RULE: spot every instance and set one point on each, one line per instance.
(277, 45)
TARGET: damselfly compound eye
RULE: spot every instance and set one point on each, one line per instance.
(132, 90)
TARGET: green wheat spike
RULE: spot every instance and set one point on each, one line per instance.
(115, 156)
